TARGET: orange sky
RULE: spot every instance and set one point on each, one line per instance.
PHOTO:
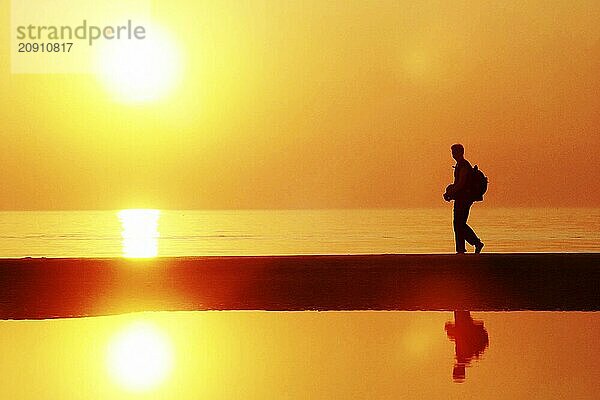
(312, 104)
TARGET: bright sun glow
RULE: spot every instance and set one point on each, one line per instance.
(140, 70)
(140, 357)
(140, 232)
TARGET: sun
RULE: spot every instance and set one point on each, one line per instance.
(138, 71)
(140, 357)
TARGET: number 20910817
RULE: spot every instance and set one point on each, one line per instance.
(45, 47)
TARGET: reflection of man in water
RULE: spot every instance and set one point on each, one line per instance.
(470, 339)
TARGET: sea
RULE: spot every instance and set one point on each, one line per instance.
(149, 233)
(307, 354)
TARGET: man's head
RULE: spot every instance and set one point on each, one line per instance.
(458, 151)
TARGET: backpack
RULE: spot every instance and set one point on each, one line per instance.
(478, 184)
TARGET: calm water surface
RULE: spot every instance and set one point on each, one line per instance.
(298, 355)
(271, 232)
(302, 355)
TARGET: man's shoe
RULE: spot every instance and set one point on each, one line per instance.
(461, 252)
(478, 247)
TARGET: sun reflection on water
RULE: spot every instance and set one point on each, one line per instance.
(140, 357)
(140, 232)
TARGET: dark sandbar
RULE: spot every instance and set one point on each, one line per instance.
(54, 288)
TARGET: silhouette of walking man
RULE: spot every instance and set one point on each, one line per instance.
(463, 200)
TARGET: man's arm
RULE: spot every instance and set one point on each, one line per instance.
(461, 182)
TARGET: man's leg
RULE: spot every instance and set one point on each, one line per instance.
(469, 234)
(459, 222)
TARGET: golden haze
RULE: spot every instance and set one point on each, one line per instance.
(321, 104)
